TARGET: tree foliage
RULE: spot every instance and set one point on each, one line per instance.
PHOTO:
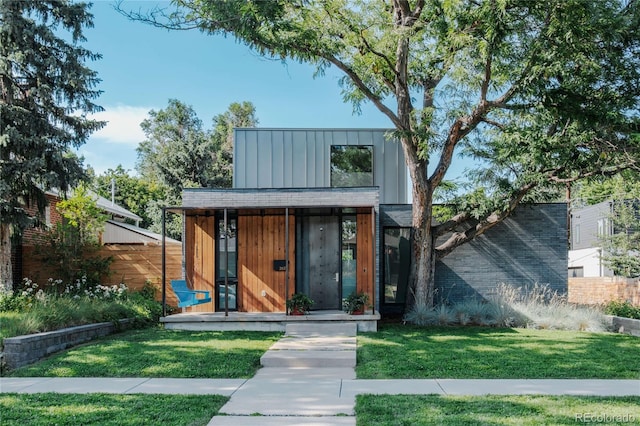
(622, 186)
(544, 92)
(180, 153)
(71, 246)
(46, 94)
(134, 193)
(237, 115)
(621, 249)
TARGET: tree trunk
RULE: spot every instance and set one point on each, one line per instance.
(6, 271)
(422, 275)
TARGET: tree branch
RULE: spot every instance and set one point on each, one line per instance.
(450, 224)
(375, 99)
(458, 238)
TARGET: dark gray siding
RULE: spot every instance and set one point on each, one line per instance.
(300, 158)
(527, 248)
(584, 225)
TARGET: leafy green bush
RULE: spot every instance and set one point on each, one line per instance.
(622, 309)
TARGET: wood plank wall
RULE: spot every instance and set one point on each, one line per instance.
(261, 240)
(365, 255)
(200, 244)
(133, 264)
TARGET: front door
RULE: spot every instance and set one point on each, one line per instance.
(320, 256)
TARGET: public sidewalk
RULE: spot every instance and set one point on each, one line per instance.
(313, 381)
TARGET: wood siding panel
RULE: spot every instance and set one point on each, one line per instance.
(365, 272)
(261, 241)
(201, 258)
(132, 264)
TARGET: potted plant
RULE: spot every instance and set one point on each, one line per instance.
(299, 304)
(355, 303)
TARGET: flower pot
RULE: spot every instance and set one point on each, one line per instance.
(296, 311)
(358, 312)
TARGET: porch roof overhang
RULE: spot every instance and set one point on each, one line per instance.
(205, 198)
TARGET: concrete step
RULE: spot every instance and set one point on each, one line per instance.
(309, 359)
(321, 343)
(336, 329)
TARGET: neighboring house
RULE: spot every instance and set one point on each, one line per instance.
(116, 231)
(326, 212)
(588, 226)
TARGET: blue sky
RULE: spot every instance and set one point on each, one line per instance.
(142, 67)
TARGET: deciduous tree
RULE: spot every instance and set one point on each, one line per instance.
(545, 92)
(46, 94)
(180, 153)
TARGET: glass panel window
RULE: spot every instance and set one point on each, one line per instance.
(230, 238)
(351, 165)
(349, 250)
(227, 265)
(576, 272)
(396, 258)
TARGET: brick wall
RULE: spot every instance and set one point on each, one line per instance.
(599, 290)
(32, 235)
(527, 248)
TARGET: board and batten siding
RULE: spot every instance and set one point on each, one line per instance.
(261, 241)
(300, 158)
(200, 244)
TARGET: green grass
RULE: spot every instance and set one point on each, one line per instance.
(154, 352)
(409, 352)
(46, 409)
(412, 410)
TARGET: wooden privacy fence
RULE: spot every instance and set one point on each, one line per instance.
(133, 265)
(599, 290)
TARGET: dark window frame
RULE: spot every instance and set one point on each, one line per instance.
(342, 147)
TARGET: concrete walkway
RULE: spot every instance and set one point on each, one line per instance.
(308, 379)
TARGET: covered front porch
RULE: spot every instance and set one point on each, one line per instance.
(264, 321)
(252, 249)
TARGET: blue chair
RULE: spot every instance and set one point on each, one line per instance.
(188, 297)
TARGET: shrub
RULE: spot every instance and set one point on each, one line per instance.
(622, 309)
(32, 309)
(535, 306)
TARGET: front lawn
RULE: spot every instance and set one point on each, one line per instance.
(409, 352)
(155, 352)
(46, 409)
(411, 410)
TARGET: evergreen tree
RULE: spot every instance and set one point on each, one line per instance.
(46, 92)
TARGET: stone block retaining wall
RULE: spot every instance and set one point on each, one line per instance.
(624, 325)
(23, 350)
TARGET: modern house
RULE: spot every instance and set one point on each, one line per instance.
(589, 225)
(326, 212)
(121, 234)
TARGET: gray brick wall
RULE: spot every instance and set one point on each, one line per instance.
(529, 247)
(280, 198)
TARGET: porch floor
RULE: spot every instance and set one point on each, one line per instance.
(257, 321)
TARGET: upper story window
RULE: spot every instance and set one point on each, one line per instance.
(351, 165)
(604, 227)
